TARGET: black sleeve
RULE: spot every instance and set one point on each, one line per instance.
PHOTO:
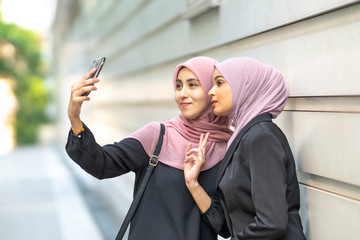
(268, 187)
(215, 217)
(105, 161)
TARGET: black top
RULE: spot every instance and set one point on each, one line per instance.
(167, 209)
(258, 185)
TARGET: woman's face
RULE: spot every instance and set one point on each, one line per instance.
(189, 94)
(221, 95)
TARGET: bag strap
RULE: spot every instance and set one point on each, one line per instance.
(149, 170)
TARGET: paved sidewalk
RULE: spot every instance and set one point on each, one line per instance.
(39, 200)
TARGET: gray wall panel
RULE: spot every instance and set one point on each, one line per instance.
(329, 216)
(140, 35)
(311, 54)
(324, 144)
(256, 16)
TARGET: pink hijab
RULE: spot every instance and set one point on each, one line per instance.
(180, 131)
(256, 88)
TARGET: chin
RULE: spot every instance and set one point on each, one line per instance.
(187, 115)
(224, 112)
(190, 117)
(218, 113)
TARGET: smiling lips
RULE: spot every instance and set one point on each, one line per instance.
(184, 104)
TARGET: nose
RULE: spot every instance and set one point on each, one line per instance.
(183, 92)
(211, 93)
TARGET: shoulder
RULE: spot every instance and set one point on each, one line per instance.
(147, 136)
(150, 129)
(262, 134)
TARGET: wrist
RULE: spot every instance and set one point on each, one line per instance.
(76, 126)
(202, 199)
(77, 131)
(193, 186)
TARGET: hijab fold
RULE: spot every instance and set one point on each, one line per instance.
(181, 131)
(256, 88)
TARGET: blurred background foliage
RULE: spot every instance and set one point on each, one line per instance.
(20, 63)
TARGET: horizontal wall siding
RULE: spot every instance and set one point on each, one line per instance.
(329, 216)
(311, 54)
(145, 32)
(325, 144)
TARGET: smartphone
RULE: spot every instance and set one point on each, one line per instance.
(98, 64)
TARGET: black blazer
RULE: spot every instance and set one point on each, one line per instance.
(258, 186)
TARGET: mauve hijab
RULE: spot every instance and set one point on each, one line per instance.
(181, 131)
(256, 88)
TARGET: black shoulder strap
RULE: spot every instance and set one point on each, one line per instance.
(149, 170)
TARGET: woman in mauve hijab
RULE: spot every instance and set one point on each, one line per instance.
(167, 209)
(257, 180)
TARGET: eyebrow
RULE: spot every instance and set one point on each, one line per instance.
(218, 76)
(188, 80)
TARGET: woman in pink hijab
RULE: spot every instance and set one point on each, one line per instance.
(166, 210)
(257, 180)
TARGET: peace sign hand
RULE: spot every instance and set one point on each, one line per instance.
(194, 161)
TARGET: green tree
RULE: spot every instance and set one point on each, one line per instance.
(20, 61)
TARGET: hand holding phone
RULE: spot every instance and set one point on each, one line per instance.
(98, 64)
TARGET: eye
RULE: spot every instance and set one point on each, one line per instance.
(193, 83)
(219, 83)
(178, 85)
